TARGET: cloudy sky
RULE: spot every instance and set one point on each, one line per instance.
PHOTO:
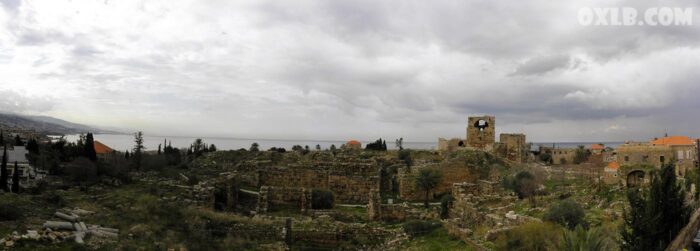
(350, 69)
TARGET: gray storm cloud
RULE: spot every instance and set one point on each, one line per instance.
(349, 69)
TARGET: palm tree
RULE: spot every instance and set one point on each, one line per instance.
(427, 179)
(590, 240)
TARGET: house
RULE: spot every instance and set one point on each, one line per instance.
(353, 145)
(597, 148)
(679, 150)
(103, 151)
(611, 173)
(28, 175)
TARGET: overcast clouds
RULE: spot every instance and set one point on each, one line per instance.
(350, 69)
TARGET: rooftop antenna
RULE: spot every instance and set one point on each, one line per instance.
(665, 132)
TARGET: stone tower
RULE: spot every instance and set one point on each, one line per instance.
(481, 132)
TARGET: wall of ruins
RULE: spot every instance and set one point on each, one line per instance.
(350, 182)
(272, 198)
(451, 173)
(481, 132)
(514, 147)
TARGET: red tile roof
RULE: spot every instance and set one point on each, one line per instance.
(597, 147)
(102, 148)
(613, 165)
(673, 141)
(354, 142)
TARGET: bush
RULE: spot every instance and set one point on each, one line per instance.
(154, 162)
(418, 227)
(567, 213)
(54, 199)
(321, 199)
(9, 212)
(445, 203)
(82, 170)
(530, 236)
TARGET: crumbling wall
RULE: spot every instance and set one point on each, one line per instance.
(273, 197)
(350, 182)
(481, 132)
(514, 147)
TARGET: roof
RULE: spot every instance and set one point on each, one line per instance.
(354, 142)
(613, 166)
(19, 154)
(673, 141)
(102, 148)
(597, 147)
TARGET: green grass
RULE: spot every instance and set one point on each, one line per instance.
(435, 241)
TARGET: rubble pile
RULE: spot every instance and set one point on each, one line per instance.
(70, 228)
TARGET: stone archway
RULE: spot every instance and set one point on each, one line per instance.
(635, 178)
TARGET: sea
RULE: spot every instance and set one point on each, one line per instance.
(123, 142)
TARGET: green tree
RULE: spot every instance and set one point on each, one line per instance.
(593, 239)
(567, 213)
(254, 147)
(426, 180)
(318, 147)
(405, 155)
(18, 141)
(3, 171)
(656, 214)
(89, 147)
(333, 148)
(33, 146)
(137, 153)
(158, 149)
(581, 155)
(15, 179)
(212, 148)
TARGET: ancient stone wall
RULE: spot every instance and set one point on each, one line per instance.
(481, 132)
(272, 198)
(349, 181)
(450, 173)
(514, 147)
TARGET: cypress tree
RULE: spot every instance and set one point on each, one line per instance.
(15, 179)
(158, 149)
(90, 147)
(126, 155)
(3, 171)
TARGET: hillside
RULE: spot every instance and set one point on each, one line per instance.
(44, 124)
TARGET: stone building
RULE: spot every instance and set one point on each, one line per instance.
(560, 156)
(481, 132)
(513, 147)
(679, 150)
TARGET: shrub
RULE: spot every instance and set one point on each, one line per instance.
(9, 212)
(321, 199)
(567, 213)
(418, 227)
(530, 236)
(82, 170)
(54, 199)
(445, 203)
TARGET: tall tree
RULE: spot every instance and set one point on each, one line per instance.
(33, 146)
(137, 153)
(656, 214)
(318, 147)
(3, 171)
(15, 179)
(254, 147)
(18, 141)
(89, 147)
(158, 149)
(126, 155)
(426, 180)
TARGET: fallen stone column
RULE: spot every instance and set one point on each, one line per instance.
(59, 225)
(71, 218)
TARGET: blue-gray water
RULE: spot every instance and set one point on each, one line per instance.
(123, 142)
(126, 142)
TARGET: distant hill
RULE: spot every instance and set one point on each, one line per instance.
(45, 124)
